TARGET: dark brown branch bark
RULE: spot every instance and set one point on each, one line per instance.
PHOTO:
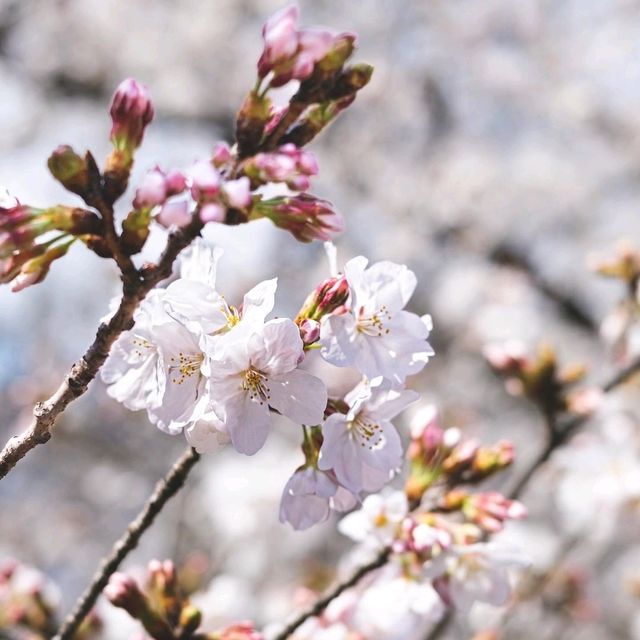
(85, 370)
(164, 491)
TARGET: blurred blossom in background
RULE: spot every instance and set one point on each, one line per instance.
(490, 128)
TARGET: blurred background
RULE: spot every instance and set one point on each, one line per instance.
(495, 149)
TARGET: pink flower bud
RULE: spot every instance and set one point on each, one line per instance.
(205, 181)
(308, 218)
(280, 39)
(212, 212)
(152, 190)
(221, 154)
(131, 111)
(237, 192)
(174, 213)
(309, 331)
(123, 592)
(240, 631)
(175, 182)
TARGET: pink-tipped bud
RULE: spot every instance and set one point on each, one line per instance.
(288, 164)
(152, 190)
(174, 213)
(131, 112)
(237, 193)
(509, 357)
(205, 181)
(280, 36)
(221, 154)
(309, 331)
(175, 182)
(240, 631)
(328, 297)
(308, 218)
(212, 212)
(490, 510)
(123, 592)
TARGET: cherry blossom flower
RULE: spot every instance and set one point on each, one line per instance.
(475, 573)
(375, 334)
(378, 520)
(363, 447)
(253, 370)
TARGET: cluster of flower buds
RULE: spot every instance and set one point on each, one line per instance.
(316, 58)
(488, 510)
(28, 604)
(538, 378)
(437, 454)
(327, 298)
(163, 610)
(31, 239)
(288, 164)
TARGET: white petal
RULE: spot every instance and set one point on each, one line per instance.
(259, 301)
(299, 396)
(199, 263)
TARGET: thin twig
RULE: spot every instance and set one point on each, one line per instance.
(85, 370)
(164, 491)
(321, 604)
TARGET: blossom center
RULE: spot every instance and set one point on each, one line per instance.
(256, 384)
(367, 432)
(185, 366)
(374, 324)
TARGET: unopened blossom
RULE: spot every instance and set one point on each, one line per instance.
(308, 218)
(362, 447)
(475, 573)
(237, 193)
(290, 53)
(305, 499)
(131, 112)
(205, 180)
(378, 519)
(221, 154)
(174, 213)
(375, 334)
(212, 212)
(288, 164)
(254, 370)
(122, 591)
(490, 510)
(152, 189)
(239, 631)
(328, 296)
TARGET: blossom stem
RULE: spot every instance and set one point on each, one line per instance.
(85, 370)
(163, 492)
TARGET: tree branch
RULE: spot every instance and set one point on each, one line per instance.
(321, 604)
(164, 491)
(85, 370)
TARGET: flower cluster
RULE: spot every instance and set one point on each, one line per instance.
(164, 610)
(198, 364)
